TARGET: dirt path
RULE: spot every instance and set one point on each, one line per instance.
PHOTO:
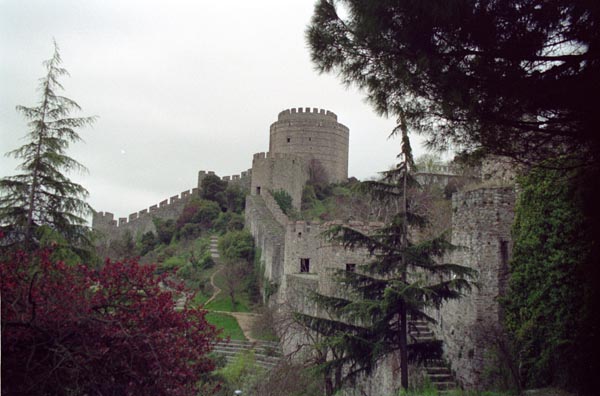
(245, 319)
(216, 288)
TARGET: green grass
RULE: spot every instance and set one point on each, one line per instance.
(199, 299)
(227, 323)
(223, 302)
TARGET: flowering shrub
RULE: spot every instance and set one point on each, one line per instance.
(73, 330)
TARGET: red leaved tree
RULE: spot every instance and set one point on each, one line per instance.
(72, 330)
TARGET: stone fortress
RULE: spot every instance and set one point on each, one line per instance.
(296, 257)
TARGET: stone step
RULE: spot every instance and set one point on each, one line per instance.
(421, 334)
(264, 365)
(274, 344)
(258, 356)
(437, 370)
(235, 350)
(437, 378)
(444, 385)
(266, 348)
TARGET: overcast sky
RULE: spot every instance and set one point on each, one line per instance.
(178, 86)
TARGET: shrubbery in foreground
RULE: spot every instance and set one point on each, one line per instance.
(112, 331)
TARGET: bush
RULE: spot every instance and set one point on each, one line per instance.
(165, 229)
(200, 213)
(147, 243)
(73, 330)
(235, 198)
(283, 199)
(228, 221)
(308, 197)
(237, 245)
(212, 188)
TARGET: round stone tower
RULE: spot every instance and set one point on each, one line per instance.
(314, 135)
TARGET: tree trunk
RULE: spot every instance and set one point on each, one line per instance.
(404, 244)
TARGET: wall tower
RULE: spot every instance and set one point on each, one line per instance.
(313, 134)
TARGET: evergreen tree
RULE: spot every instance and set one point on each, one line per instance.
(370, 318)
(514, 77)
(42, 197)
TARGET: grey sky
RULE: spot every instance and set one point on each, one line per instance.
(179, 86)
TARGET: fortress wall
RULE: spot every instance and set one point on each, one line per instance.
(277, 171)
(313, 135)
(306, 240)
(500, 169)
(438, 179)
(481, 225)
(243, 179)
(140, 222)
(274, 208)
(268, 236)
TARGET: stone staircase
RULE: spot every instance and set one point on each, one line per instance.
(436, 370)
(267, 353)
(214, 247)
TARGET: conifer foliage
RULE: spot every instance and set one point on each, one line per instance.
(42, 194)
(513, 77)
(370, 317)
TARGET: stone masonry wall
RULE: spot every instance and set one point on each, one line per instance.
(306, 240)
(313, 135)
(469, 327)
(275, 171)
(140, 222)
(268, 236)
(274, 208)
(243, 179)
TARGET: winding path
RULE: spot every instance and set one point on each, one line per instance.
(246, 320)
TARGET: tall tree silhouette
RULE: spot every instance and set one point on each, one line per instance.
(42, 195)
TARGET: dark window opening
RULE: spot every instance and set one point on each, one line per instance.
(257, 190)
(351, 267)
(288, 140)
(309, 139)
(304, 265)
(299, 235)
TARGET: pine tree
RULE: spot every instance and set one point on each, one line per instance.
(513, 77)
(42, 197)
(370, 318)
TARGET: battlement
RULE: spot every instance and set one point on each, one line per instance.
(108, 219)
(231, 178)
(271, 155)
(300, 112)
(105, 218)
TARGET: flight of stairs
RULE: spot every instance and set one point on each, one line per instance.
(436, 370)
(214, 247)
(266, 353)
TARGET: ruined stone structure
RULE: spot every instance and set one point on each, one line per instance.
(297, 257)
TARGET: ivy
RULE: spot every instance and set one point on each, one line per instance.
(546, 305)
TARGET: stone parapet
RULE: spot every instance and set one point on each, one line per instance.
(303, 112)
